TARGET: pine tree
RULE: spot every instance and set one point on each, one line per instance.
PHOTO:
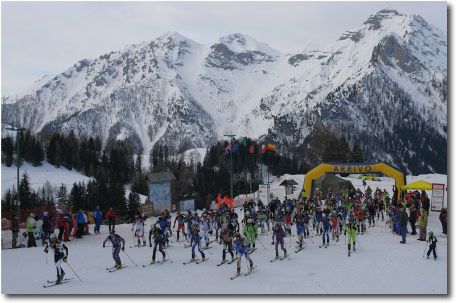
(62, 197)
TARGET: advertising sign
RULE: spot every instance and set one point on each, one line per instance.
(160, 195)
(438, 195)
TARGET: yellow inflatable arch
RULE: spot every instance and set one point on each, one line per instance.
(354, 168)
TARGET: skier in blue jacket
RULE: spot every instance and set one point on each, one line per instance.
(97, 217)
(326, 226)
(242, 248)
(164, 225)
(80, 220)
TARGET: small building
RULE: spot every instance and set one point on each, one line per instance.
(160, 190)
(289, 186)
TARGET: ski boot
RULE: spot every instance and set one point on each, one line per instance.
(276, 257)
(153, 262)
(118, 265)
(204, 258)
(327, 244)
(59, 279)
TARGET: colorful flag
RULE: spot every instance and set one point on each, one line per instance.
(228, 149)
(236, 148)
(264, 149)
(271, 147)
(251, 149)
(244, 141)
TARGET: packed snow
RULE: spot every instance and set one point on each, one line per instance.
(379, 265)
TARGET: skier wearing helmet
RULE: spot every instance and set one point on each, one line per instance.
(278, 233)
(250, 231)
(60, 254)
(432, 246)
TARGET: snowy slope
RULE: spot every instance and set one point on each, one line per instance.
(39, 175)
(379, 266)
(176, 91)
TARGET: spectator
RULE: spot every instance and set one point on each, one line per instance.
(443, 220)
(67, 228)
(425, 205)
(111, 217)
(15, 230)
(46, 227)
(60, 225)
(80, 220)
(423, 224)
(97, 217)
(403, 219)
(413, 217)
(86, 224)
(31, 226)
(75, 226)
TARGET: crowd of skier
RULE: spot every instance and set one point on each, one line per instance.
(350, 212)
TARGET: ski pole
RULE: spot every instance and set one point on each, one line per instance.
(357, 239)
(46, 258)
(169, 258)
(73, 271)
(425, 249)
(261, 243)
(130, 258)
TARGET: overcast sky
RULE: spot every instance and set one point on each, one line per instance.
(46, 38)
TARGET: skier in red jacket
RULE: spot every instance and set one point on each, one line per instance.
(111, 217)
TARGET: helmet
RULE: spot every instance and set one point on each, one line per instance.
(276, 225)
(247, 213)
(431, 233)
(45, 213)
(204, 209)
(324, 215)
(162, 213)
(52, 236)
(32, 215)
(204, 215)
(194, 214)
(249, 220)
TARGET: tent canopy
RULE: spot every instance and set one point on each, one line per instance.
(289, 182)
(331, 182)
(418, 185)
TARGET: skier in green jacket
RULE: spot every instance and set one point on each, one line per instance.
(251, 230)
(351, 227)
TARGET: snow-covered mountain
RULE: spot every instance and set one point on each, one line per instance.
(383, 85)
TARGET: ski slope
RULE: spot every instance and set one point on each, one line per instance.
(380, 265)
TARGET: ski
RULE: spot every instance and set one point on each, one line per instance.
(251, 251)
(232, 261)
(285, 257)
(299, 250)
(157, 262)
(273, 260)
(185, 263)
(116, 269)
(66, 279)
(207, 247)
(199, 262)
(250, 270)
(51, 285)
(221, 263)
(237, 275)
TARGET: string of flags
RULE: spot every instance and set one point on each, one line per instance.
(264, 148)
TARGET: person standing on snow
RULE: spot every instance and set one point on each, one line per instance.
(423, 224)
(158, 241)
(31, 227)
(97, 217)
(111, 217)
(117, 243)
(242, 249)
(412, 219)
(351, 228)
(432, 246)
(279, 234)
(80, 220)
(15, 230)
(60, 254)
(138, 229)
(403, 219)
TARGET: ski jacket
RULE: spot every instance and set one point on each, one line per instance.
(403, 219)
(31, 224)
(46, 225)
(180, 220)
(97, 215)
(60, 221)
(15, 226)
(424, 219)
(80, 218)
(158, 235)
(433, 241)
(241, 245)
(111, 216)
(163, 223)
(59, 250)
(116, 241)
(251, 229)
(279, 234)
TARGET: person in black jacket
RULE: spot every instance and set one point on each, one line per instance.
(412, 219)
(158, 241)
(426, 204)
(442, 218)
(15, 230)
(403, 218)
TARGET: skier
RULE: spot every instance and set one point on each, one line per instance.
(351, 227)
(60, 254)
(196, 241)
(158, 241)
(300, 230)
(250, 231)
(138, 229)
(279, 234)
(164, 224)
(325, 224)
(117, 241)
(242, 249)
(226, 235)
(180, 225)
(206, 227)
(432, 246)
(335, 230)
